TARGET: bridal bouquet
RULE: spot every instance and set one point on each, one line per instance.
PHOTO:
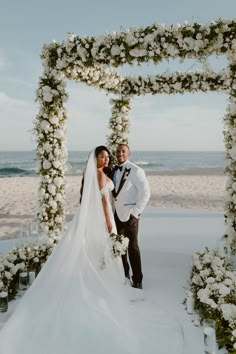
(119, 244)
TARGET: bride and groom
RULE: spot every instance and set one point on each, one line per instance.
(78, 302)
(130, 191)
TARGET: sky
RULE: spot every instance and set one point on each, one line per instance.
(160, 122)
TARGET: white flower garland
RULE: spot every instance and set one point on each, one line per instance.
(86, 59)
(119, 123)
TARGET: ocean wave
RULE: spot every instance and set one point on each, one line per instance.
(15, 171)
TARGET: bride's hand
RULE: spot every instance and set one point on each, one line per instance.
(109, 226)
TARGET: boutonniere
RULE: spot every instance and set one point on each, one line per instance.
(127, 172)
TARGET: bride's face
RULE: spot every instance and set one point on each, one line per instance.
(103, 159)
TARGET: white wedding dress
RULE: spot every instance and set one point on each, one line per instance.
(78, 303)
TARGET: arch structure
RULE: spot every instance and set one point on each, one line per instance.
(93, 60)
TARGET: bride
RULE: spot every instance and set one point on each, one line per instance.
(78, 303)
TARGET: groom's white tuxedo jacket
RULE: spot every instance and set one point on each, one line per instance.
(132, 193)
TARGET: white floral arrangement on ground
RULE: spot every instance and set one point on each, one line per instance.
(22, 258)
(119, 244)
(213, 287)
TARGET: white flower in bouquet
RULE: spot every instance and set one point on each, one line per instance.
(119, 244)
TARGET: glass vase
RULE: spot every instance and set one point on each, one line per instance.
(23, 281)
(209, 332)
(3, 301)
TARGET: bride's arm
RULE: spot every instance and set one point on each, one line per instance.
(101, 184)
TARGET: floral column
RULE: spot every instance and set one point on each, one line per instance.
(51, 152)
(119, 122)
(230, 170)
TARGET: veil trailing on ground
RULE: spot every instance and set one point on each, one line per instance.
(79, 304)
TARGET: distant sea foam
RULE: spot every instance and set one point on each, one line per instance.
(23, 163)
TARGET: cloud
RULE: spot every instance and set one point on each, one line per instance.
(89, 112)
(178, 128)
(16, 121)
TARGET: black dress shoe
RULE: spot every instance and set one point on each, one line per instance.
(137, 285)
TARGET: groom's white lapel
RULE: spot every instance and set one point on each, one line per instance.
(124, 176)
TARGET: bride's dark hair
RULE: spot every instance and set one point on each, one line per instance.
(106, 170)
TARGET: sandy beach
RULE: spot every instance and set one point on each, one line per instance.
(197, 189)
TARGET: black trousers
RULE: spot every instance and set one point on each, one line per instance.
(129, 229)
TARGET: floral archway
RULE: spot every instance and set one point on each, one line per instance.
(90, 59)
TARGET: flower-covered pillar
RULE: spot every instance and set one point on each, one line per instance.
(230, 170)
(119, 122)
(51, 151)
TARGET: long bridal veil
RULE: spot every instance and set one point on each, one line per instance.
(78, 304)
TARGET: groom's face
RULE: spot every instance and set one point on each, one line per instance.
(122, 153)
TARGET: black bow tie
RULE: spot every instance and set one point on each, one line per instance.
(118, 168)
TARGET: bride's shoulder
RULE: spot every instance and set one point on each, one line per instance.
(101, 179)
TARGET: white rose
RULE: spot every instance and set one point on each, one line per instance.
(46, 164)
(138, 52)
(59, 197)
(44, 125)
(71, 37)
(58, 181)
(52, 203)
(52, 189)
(115, 50)
(54, 120)
(224, 290)
(58, 219)
(58, 133)
(47, 97)
(232, 152)
(56, 164)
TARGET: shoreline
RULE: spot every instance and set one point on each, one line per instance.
(204, 190)
(196, 171)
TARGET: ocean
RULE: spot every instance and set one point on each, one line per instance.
(23, 163)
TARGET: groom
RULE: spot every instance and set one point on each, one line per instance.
(131, 195)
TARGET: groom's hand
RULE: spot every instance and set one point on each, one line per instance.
(133, 217)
